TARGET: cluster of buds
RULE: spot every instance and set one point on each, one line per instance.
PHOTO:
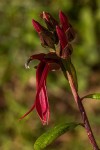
(56, 36)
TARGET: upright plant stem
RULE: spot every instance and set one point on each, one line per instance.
(83, 113)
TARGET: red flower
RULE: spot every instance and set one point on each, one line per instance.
(41, 102)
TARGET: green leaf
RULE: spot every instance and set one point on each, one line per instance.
(93, 96)
(48, 137)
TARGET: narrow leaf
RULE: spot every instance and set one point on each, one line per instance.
(48, 137)
(93, 96)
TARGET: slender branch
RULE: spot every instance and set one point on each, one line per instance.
(83, 113)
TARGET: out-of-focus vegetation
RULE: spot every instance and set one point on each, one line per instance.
(18, 41)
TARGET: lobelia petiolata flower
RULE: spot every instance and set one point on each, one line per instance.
(54, 37)
(48, 62)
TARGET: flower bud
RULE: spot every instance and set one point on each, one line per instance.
(62, 37)
(46, 37)
(49, 20)
(65, 47)
(51, 24)
(37, 26)
(64, 21)
(70, 33)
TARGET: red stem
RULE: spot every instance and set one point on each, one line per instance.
(83, 113)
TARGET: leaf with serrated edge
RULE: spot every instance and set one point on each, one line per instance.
(48, 137)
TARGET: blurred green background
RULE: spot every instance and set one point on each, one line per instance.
(18, 41)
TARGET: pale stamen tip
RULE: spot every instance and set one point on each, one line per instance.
(27, 63)
(27, 66)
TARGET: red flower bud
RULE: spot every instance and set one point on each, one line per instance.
(64, 21)
(49, 20)
(46, 37)
(70, 33)
(37, 26)
(62, 37)
(51, 24)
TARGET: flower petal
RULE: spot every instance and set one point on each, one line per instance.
(42, 105)
(46, 113)
(37, 56)
(28, 112)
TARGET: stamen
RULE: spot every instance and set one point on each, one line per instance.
(27, 63)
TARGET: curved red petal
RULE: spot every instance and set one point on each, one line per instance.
(42, 105)
(37, 56)
(27, 112)
(46, 114)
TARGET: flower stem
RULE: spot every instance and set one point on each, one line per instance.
(82, 111)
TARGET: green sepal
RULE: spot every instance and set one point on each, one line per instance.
(73, 73)
(47, 39)
(93, 96)
(48, 137)
(67, 66)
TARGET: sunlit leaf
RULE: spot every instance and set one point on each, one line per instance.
(48, 137)
(93, 96)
